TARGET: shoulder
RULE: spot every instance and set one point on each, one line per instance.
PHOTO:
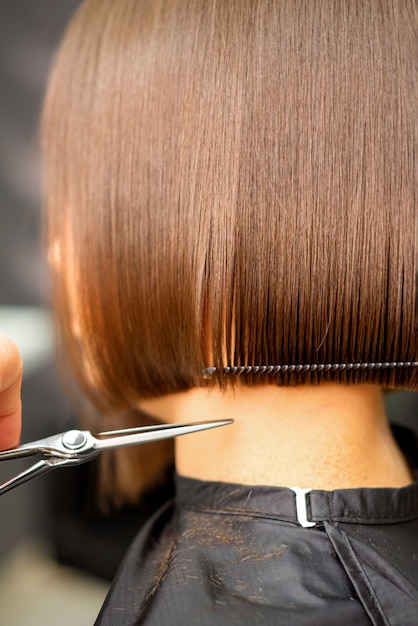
(141, 571)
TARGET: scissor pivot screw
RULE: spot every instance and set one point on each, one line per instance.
(74, 440)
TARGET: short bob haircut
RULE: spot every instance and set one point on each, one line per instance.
(231, 183)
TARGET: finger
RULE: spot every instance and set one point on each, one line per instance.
(11, 370)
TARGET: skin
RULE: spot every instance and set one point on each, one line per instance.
(326, 436)
(11, 370)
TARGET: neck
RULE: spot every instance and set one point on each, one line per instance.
(321, 437)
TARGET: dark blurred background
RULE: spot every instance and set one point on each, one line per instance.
(55, 513)
(52, 519)
(29, 32)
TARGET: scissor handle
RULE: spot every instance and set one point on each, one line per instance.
(67, 445)
(36, 470)
(16, 453)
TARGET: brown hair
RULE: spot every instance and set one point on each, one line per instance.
(231, 183)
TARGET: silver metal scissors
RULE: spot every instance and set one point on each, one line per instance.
(79, 446)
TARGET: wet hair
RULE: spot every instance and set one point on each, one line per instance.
(231, 184)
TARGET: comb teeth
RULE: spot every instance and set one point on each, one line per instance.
(269, 370)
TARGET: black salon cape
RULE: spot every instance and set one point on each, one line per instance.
(224, 554)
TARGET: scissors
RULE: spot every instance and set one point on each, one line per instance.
(74, 447)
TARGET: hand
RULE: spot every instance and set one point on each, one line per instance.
(11, 370)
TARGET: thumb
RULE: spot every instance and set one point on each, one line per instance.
(11, 370)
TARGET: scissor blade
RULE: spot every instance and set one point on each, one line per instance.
(134, 436)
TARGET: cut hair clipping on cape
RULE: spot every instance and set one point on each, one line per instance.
(208, 372)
